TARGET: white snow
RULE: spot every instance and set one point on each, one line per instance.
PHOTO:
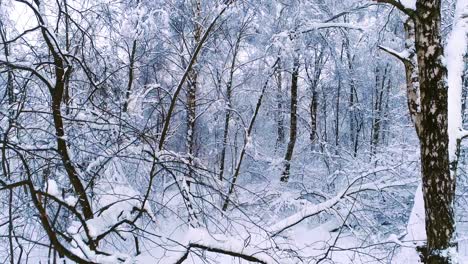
(416, 231)
(313, 209)
(202, 237)
(319, 25)
(52, 188)
(410, 4)
(455, 50)
(71, 200)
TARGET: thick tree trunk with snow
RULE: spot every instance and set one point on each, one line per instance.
(427, 92)
(427, 103)
(192, 87)
(438, 184)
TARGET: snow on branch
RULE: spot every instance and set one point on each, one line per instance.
(184, 77)
(200, 238)
(319, 25)
(403, 56)
(406, 6)
(315, 209)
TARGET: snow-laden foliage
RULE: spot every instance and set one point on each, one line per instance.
(155, 131)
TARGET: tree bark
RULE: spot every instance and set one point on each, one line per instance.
(427, 97)
(314, 81)
(337, 116)
(293, 122)
(192, 87)
(130, 76)
(354, 120)
(175, 96)
(227, 117)
(62, 148)
(378, 104)
(313, 115)
(279, 104)
(62, 74)
(438, 185)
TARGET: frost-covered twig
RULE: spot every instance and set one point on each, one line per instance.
(408, 6)
(320, 25)
(315, 209)
(202, 239)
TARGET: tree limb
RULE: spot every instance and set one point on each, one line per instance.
(396, 3)
(402, 56)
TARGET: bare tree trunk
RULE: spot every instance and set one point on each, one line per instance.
(203, 38)
(130, 76)
(377, 110)
(227, 117)
(279, 103)
(57, 94)
(192, 88)
(385, 113)
(313, 116)
(324, 107)
(62, 73)
(193, 85)
(191, 112)
(293, 122)
(337, 116)
(66, 92)
(314, 81)
(246, 141)
(354, 120)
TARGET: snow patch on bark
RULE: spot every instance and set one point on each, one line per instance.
(411, 4)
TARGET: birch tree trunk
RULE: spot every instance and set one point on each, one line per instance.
(192, 87)
(427, 95)
(438, 185)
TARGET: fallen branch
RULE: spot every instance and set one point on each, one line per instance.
(315, 209)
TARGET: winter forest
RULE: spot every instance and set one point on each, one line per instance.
(233, 131)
